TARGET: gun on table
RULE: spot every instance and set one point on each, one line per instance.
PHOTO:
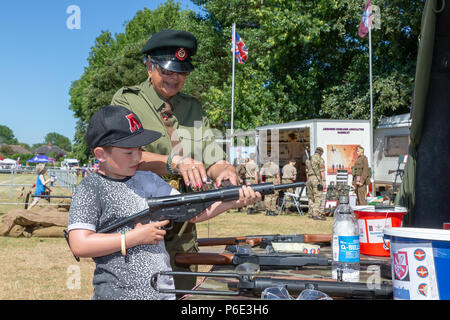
(185, 206)
(277, 260)
(265, 240)
(246, 284)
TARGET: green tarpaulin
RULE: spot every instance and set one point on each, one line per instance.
(429, 123)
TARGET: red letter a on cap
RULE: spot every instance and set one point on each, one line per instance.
(134, 124)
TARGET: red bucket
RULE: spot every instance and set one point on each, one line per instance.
(372, 222)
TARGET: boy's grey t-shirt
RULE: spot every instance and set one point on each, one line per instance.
(97, 202)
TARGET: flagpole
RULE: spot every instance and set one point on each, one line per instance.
(233, 56)
(371, 113)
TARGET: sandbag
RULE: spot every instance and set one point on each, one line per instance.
(32, 220)
(52, 232)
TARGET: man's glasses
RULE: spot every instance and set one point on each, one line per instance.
(166, 72)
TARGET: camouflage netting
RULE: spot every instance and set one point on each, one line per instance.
(44, 222)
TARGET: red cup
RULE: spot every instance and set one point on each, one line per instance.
(446, 225)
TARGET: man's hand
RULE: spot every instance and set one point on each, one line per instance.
(223, 173)
(192, 171)
(195, 175)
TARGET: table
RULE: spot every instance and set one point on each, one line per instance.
(370, 276)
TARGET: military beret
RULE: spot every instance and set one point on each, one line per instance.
(172, 49)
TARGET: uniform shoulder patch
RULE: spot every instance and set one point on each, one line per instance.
(133, 89)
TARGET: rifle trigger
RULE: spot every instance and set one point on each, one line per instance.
(170, 227)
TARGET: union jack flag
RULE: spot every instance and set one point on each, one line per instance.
(241, 50)
(366, 21)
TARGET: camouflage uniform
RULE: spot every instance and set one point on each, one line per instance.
(361, 170)
(271, 171)
(314, 169)
(251, 170)
(251, 174)
(289, 172)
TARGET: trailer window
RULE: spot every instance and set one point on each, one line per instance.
(394, 146)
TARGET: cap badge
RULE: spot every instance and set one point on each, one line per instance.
(181, 54)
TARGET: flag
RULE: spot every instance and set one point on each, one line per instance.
(241, 50)
(366, 21)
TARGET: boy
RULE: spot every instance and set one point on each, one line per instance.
(126, 259)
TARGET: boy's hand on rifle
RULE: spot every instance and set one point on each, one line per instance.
(149, 233)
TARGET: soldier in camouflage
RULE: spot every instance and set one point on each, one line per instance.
(289, 175)
(315, 171)
(270, 172)
(361, 176)
(251, 177)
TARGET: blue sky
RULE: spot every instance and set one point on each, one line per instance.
(40, 57)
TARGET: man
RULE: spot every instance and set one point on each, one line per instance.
(270, 172)
(251, 177)
(187, 146)
(297, 152)
(315, 171)
(289, 172)
(240, 170)
(289, 175)
(251, 170)
(361, 176)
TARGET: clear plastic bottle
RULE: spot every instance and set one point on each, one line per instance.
(345, 265)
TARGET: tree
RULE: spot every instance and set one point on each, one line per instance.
(306, 61)
(7, 135)
(308, 57)
(59, 140)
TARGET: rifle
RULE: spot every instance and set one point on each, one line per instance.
(392, 171)
(185, 206)
(277, 260)
(246, 284)
(265, 240)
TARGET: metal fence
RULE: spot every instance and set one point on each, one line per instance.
(65, 178)
(16, 183)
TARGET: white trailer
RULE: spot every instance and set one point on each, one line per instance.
(391, 140)
(338, 138)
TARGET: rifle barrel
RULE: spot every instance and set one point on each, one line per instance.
(289, 185)
(332, 288)
(256, 284)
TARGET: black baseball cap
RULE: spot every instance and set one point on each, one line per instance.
(172, 50)
(119, 127)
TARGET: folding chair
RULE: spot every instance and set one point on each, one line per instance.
(293, 199)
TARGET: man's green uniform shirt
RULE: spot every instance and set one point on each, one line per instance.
(189, 122)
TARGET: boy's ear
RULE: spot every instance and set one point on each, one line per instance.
(100, 154)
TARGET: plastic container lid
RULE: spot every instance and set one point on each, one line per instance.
(372, 208)
(419, 233)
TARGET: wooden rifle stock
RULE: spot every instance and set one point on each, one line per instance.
(204, 242)
(319, 238)
(255, 240)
